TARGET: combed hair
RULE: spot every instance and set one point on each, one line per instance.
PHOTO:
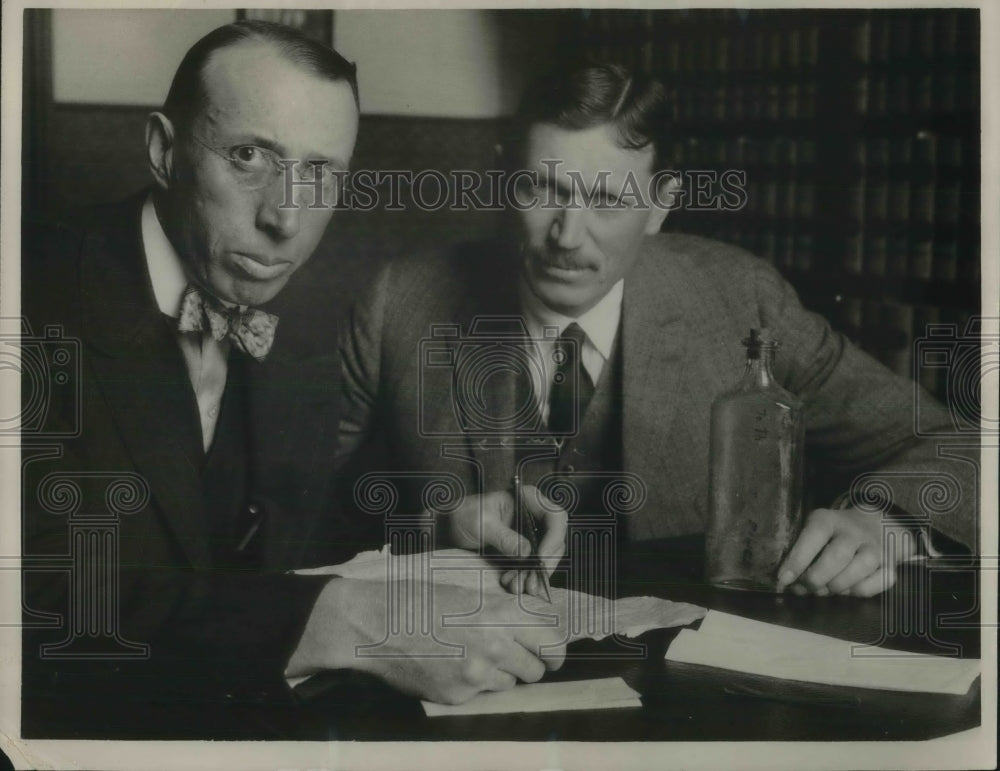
(187, 94)
(596, 95)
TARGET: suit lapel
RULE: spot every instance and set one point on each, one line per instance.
(655, 339)
(141, 372)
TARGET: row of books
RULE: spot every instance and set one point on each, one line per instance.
(923, 236)
(745, 100)
(786, 199)
(904, 255)
(790, 243)
(922, 153)
(905, 36)
(792, 247)
(923, 203)
(919, 180)
(737, 48)
(942, 90)
(898, 333)
(777, 175)
(857, 131)
(761, 41)
(786, 249)
(703, 41)
(797, 99)
(767, 156)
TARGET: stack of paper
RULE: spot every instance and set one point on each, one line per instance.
(743, 645)
(581, 615)
(608, 693)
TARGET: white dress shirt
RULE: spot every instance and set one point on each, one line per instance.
(599, 324)
(206, 358)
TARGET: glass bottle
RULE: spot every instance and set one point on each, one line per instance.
(755, 488)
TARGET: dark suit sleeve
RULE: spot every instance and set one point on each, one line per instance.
(882, 434)
(174, 638)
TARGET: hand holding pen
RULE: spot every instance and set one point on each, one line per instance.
(535, 580)
(489, 523)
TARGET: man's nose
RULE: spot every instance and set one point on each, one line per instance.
(568, 227)
(277, 216)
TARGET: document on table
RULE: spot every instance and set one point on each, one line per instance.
(607, 693)
(587, 615)
(744, 645)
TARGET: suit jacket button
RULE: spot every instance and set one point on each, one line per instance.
(254, 509)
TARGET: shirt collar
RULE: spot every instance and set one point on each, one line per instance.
(600, 323)
(166, 271)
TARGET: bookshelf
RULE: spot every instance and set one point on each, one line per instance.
(858, 131)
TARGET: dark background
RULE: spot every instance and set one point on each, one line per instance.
(858, 131)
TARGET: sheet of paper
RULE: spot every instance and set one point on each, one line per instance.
(744, 645)
(584, 615)
(607, 693)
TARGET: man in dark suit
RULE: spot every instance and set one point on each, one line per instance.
(196, 441)
(656, 320)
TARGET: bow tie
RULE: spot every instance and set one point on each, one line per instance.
(251, 330)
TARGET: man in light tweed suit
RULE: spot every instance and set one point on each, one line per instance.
(656, 320)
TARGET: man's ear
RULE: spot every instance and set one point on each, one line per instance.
(665, 197)
(160, 139)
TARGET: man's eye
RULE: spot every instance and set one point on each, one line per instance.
(250, 158)
(315, 169)
(542, 187)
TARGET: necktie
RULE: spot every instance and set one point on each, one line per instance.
(571, 385)
(251, 330)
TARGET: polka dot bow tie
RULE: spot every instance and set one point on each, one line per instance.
(251, 330)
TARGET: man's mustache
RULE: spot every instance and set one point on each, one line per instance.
(567, 260)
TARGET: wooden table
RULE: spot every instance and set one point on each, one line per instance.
(932, 609)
